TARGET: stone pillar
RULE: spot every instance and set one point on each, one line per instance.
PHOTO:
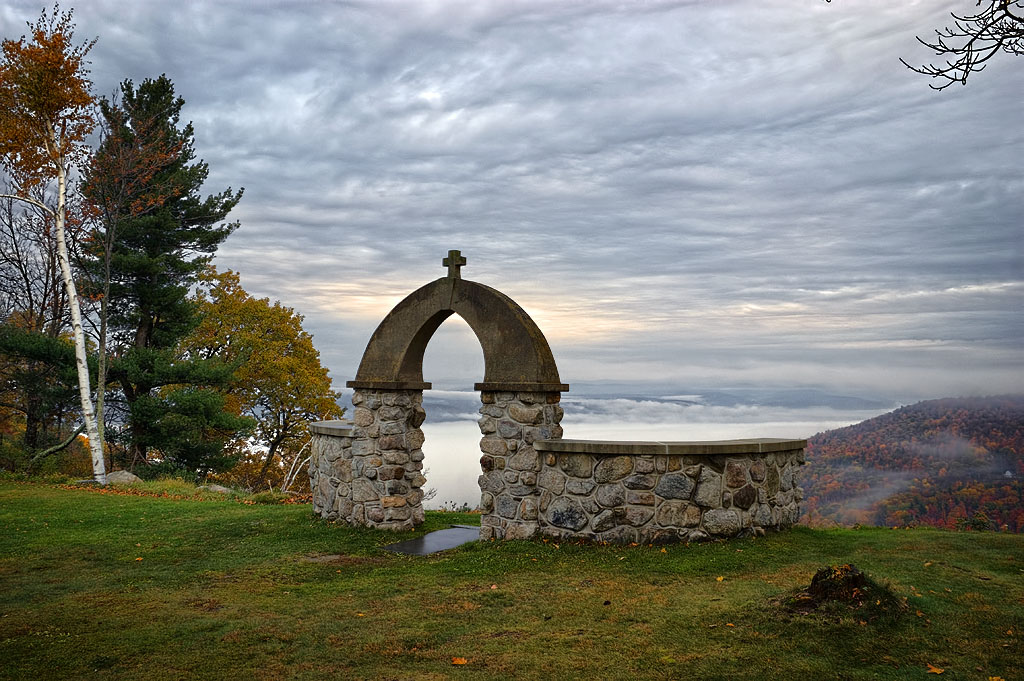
(387, 460)
(330, 468)
(510, 423)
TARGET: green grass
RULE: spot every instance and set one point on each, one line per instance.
(226, 590)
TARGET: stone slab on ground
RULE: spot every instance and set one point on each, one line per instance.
(434, 542)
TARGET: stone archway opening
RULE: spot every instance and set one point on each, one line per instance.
(452, 363)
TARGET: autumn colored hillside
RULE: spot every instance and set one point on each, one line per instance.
(937, 463)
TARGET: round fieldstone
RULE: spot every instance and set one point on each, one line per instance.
(678, 514)
(552, 480)
(771, 481)
(757, 471)
(640, 481)
(613, 468)
(610, 495)
(786, 479)
(391, 442)
(638, 517)
(735, 474)
(709, 489)
(763, 516)
(744, 497)
(674, 486)
(577, 465)
(417, 417)
(506, 506)
(528, 415)
(721, 522)
(526, 459)
(607, 519)
(581, 487)
(566, 513)
(509, 429)
(391, 413)
(363, 490)
(493, 446)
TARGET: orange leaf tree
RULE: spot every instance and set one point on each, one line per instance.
(45, 101)
(279, 381)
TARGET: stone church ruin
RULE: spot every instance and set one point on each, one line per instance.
(368, 471)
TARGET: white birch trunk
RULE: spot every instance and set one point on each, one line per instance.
(99, 470)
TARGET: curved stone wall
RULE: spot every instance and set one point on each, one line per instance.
(655, 492)
(368, 472)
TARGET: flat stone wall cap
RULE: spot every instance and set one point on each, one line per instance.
(638, 448)
(522, 387)
(742, 446)
(389, 385)
(611, 447)
(341, 427)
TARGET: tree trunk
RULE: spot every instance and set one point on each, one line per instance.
(270, 457)
(101, 360)
(88, 415)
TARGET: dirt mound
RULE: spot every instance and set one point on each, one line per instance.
(838, 588)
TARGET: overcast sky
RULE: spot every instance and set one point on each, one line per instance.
(703, 193)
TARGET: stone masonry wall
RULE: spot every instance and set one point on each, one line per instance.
(379, 476)
(368, 472)
(331, 447)
(665, 498)
(510, 424)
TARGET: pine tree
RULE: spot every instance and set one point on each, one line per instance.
(154, 256)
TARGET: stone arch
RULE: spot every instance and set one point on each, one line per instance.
(516, 354)
(378, 474)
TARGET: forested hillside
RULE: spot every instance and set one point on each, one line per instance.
(938, 463)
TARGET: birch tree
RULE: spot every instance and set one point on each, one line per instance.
(45, 105)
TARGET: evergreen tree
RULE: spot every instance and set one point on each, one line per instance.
(154, 257)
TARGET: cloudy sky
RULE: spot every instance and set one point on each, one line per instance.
(700, 193)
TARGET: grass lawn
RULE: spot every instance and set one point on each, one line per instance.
(124, 587)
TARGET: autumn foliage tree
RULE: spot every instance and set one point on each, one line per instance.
(45, 119)
(279, 381)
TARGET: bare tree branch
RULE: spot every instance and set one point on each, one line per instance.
(973, 40)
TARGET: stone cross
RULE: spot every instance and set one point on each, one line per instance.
(453, 262)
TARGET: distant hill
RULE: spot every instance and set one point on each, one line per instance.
(929, 463)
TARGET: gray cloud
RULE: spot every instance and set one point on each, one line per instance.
(733, 191)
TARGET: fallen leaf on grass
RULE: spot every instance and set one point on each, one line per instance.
(664, 550)
(719, 579)
(459, 660)
(139, 558)
(729, 624)
(932, 669)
